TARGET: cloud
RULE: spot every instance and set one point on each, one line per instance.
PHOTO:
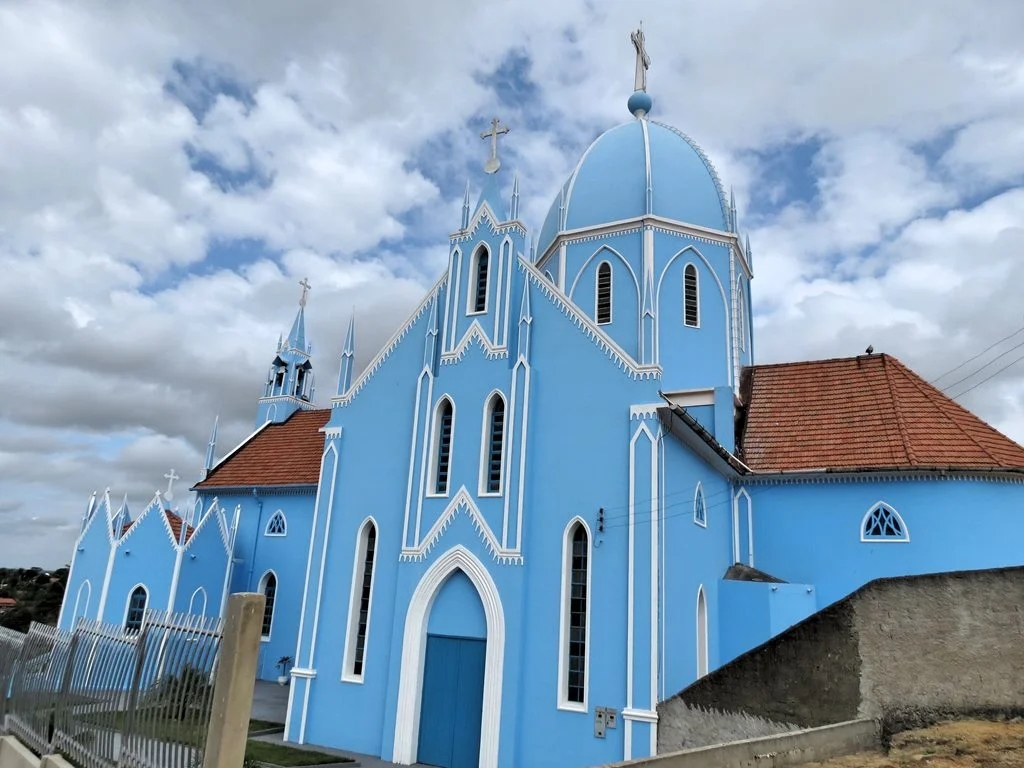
(174, 169)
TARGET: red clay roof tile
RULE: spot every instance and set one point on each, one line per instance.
(867, 412)
(281, 454)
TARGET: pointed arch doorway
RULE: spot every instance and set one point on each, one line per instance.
(449, 697)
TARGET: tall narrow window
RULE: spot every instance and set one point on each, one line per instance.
(268, 586)
(604, 293)
(300, 379)
(480, 284)
(359, 609)
(136, 609)
(576, 576)
(741, 321)
(443, 447)
(700, 512)
(691, 298)
(495, 442)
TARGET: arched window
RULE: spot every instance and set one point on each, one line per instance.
(277, 525)
(479, 284)
(444, 423)
(360, 602)
(82, 602)
(691, 297)
(575, 616)
(268, 586)
(700, 512)
(741, 319)
(300, 379)
(136, 609)
(883, 523)
(279, 378)
(494, 444)
(197, 605)
(603, 310)
(702, 633)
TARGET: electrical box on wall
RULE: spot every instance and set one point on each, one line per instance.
(604, 718)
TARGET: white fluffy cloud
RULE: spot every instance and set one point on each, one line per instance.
(168, 172)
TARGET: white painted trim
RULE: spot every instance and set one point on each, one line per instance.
(474, 266)
(563, 624)
(128, 603)
(736, 553)
(703, 660)
(640, 715)
(905, 539)
(200, 592)
(629, 268)
(172, 593)
(688, 398)
(597, 294)
(355, 601)
(485, 447)
(435, 436)
(414, 642)
(464, 502)
(741, 320)
(477, 333)
(266, 528)
(696, 274)
(412, 453)
(238, 447)
(698, 494)
(86, 583)
(450, 280)
(273, 609)
(304, 674)
(506, 293)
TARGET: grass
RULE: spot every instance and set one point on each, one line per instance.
(264, 725)
(278, 754)
(960, 744)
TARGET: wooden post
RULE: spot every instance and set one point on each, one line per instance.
(235, 683)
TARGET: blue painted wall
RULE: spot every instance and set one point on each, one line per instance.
(457, 610)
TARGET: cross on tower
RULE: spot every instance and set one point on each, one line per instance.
(304, 282)
(643, 61)
(497, 129)
(171, 477)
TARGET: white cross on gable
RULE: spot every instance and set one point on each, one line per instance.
(171, 477)
(304, 282)
(497, 129)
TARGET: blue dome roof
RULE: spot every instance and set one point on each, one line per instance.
(610, 182)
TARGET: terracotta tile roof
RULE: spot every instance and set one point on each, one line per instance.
(281, 454)
(7, 602)
(175, 523)
(867, 412)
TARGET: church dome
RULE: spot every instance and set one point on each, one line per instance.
(611, 179)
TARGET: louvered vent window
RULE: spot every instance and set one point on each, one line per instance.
(444, 447)
(578, 589)
(480, 296)
(604, 293)
(495, 444)
(691, 300)
(364, 599)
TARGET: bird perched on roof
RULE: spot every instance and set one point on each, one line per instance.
(870, 349)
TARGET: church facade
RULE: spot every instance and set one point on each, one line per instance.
(563, 490)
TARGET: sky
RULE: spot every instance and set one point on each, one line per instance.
(169, 172)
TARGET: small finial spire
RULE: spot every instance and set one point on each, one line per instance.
(732, 209)
(514, 206)
(497, 129)
(347, 356)
(211, 447)
(640, 103)
(465, 208)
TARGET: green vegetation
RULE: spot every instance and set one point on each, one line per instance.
(279, 754)
(39, 594)
(255, 726)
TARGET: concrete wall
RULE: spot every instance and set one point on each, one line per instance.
(906, 650)
(14, 754)
(804, 746)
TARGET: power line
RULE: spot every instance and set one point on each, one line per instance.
(972, 359)
(991, 375)
(986, 365)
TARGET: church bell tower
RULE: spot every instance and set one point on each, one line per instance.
(289, 386)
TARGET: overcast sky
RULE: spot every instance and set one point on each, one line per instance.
(170, 170)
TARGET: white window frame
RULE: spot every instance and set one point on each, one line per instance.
(435, 444)
(279, 513)
(611, 293)
(128, 605)
(699, 494)
(696, 272)
(905, 539)
(485, 446)
(741, 315)
(354, 600)
(273, 609)
(87, 586)
(563, 627)
(473, 275)
(703, 647)
(200, 592)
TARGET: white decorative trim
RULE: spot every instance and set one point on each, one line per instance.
(485, 213)
(278, 514)
(453, 277)
(629, 268)
(200, 592)
(262, 589)
(85, 585)
(564, 618)
(696, 293)
(463, 502)
(303, 673)
(702, 636)
(737, 556)
(414, 642)
(689, 398)
(374, 365)
(618, 355)
(644, 411)
(331, 431)
(435, 437)
(510, 439)
(475, 332)
(355, 600)
(474, 266)
(597, 293)
(640, 715)
(485, 446)
(905, 539)
(238, 447)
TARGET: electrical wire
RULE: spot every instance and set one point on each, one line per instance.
(986, 365)
(972, 359)
(991, 375)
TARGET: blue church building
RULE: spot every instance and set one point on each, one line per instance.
(563, 490)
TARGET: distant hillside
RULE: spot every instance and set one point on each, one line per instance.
(39, 594)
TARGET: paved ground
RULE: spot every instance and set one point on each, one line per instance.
(270, 702)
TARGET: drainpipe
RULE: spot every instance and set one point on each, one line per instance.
(255, 538)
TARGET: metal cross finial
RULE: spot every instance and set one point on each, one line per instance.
(643, 61)
(497, 129)
(304, 282)
(171, 477)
